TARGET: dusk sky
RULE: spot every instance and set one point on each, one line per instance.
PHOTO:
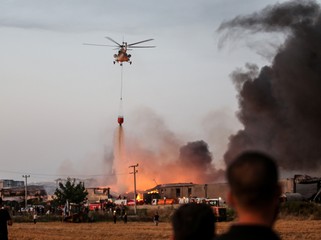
(59, 99)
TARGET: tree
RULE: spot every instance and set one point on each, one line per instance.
(71, 191)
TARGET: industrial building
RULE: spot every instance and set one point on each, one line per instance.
(188, 190)
(6, 183)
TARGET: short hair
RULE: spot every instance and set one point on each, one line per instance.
(253, 179)
(194, 221)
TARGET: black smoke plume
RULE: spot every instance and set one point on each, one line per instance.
(196, 154)
(196, 158)
(280, 105)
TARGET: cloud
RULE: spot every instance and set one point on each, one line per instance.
(98, 15)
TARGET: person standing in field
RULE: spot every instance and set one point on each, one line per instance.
(5, 219)
(156, 219)
(35, 217)
(193, 221)
(254, 194)
(125, 217)
(114, 216)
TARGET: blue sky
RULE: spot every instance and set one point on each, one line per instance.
(59, 99)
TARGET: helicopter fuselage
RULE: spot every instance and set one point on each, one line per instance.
(122, 56)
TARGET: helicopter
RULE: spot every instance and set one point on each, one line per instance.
(122, 55)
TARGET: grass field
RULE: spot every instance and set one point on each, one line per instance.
(288, 229)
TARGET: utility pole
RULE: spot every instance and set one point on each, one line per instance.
(134, 172)
(26, 189)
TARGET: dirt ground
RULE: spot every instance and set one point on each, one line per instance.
(288, 229)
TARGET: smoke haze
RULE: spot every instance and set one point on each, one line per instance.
(162, 156)
(280, 104)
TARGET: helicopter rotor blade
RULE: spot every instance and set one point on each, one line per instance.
(142, 46)
(101, 45)
(147, 40)
(110, 39)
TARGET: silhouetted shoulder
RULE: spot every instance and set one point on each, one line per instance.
(249, 232)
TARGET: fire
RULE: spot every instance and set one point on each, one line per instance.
(139, 197)
(160, 158)
(153, 192)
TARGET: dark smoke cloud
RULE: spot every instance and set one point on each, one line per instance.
(196, 158)
(280, 105)
(277, 17)
(196, 154)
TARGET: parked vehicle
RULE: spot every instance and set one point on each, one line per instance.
(219, 208)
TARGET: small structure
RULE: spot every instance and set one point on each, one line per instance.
(95, 194)
(18, 193)
(309, 187)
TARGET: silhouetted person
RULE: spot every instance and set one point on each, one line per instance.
(156, 219)
(193, 221)
(125, 217)
(254, 194)
(5, 220)
(114, 216)
(35, 216)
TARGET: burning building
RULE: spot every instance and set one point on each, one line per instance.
(190, 190)
(97, 194)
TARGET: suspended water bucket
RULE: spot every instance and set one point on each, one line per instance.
(120, 120)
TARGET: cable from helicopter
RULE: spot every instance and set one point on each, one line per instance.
(120, 118)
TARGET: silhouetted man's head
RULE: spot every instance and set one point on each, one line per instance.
(253, 179)
(193, 221)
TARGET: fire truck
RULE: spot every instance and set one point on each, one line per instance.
(218, 208)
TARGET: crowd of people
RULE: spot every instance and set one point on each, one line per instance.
(254, 195)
